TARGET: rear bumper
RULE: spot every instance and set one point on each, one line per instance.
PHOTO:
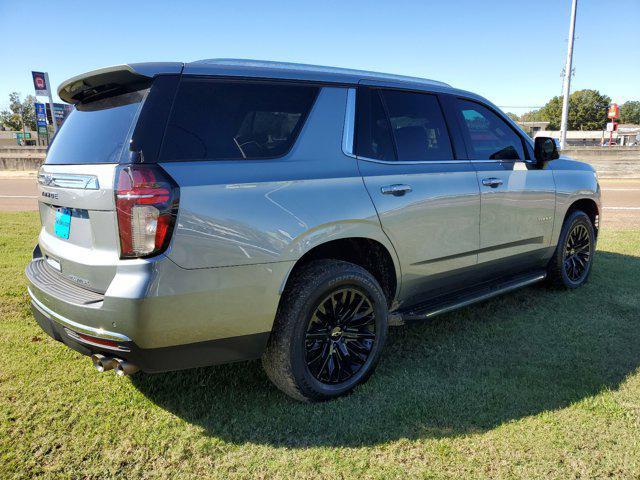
(178, 357)
(162, 317)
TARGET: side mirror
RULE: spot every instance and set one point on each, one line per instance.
(545, 149)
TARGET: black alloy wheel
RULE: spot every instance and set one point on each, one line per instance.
(340, 335)
(577, 253)
(329, 331)
(572, 260)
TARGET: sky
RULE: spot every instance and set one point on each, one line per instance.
(511, 52)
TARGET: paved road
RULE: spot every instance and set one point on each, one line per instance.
(621, 198)
(621, 203)
(18, 193)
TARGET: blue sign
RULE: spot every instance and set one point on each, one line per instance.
(41, 115)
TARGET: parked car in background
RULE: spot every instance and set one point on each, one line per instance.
(225, 210)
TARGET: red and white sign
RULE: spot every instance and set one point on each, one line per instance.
(40, 83)
(614, 111)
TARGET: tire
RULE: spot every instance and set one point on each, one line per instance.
(570, 267)
(322, 299)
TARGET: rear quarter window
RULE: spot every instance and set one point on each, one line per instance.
(226, 120)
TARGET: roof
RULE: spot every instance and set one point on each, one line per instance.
(573, 134)
(297, 71)
(534, 123)
(628, 128)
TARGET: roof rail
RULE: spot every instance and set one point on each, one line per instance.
(303, 67)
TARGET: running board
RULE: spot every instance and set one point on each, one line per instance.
(462, 299)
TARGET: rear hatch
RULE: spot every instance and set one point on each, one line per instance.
(77, 200)
(79, 236)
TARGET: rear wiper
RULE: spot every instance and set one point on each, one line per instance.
(239, 148)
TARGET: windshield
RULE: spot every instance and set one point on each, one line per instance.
(96, 132)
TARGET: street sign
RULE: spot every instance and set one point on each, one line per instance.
(41, 115)
(611, 126)
(60, 111)
(20, 135)
(40, 84)
(614, 111)
(42, 88)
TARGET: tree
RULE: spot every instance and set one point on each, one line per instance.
(12, 118)
(513, 116)
(587, 111)
(630, 112)
(532, 116)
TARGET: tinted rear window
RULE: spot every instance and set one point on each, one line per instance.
(418, 126)
(373, 131)
(222, 120)
(96, 132)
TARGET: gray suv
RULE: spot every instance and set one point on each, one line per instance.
(225, 210)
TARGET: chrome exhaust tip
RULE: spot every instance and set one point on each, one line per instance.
(103, 363)
(122, 367)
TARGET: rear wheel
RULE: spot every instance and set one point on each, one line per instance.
(328, 333)
(571, 264)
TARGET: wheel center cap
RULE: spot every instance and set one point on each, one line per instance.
(336, 333)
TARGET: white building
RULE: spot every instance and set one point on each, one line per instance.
(627, 134)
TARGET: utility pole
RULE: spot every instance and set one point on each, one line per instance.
(566, 90)
(24, 126)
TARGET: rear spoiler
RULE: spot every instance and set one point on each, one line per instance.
(116, 80)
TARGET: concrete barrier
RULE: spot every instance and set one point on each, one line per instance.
(608, 161)
(23, 150)
(616, 162)
(20, 163)
(21, 158)
(605, 153)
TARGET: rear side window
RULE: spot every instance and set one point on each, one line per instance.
(222, 120)
(373, 132)
(418, 126)
(488, 137)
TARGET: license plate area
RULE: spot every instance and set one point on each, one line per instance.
(62, 225)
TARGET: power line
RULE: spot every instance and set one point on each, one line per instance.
(520, 106)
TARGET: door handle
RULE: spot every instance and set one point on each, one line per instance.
(492, 182)
(397, 189)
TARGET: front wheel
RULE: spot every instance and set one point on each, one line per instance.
(329, 331)
(571, 264)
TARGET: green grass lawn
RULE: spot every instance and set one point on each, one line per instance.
(538, 383)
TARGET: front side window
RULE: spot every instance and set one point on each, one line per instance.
(418, 126)
(223, 120)
(488, 136)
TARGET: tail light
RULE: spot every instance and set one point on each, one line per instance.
(147, 206)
